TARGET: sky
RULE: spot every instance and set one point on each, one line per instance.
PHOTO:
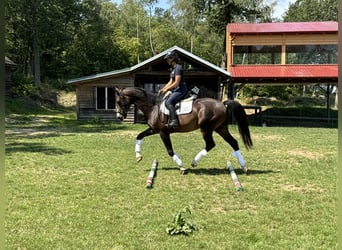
(279, 9)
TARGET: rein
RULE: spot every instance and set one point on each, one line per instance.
(159, 99)
(122, 98)
(148, 102)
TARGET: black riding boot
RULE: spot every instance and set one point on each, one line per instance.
(173, 121)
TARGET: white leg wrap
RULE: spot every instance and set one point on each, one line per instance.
(239, 156)
(177, 160)
(138, 146)
(200, 155)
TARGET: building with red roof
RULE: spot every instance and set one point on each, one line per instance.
(293, 52)
(282, 53)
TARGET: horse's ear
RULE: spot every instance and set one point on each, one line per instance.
(117, 89)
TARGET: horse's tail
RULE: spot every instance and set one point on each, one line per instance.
(234, 108)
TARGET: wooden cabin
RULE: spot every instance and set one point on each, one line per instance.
(96, 99)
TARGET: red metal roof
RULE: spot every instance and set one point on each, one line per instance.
(287, 27)
(278, 73)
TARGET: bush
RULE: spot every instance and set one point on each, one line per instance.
(59, 84)
(23, 86)
(280, 92)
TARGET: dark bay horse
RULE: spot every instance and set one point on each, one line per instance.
(207, 114)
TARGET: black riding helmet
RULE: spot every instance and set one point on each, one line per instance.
(171, 54)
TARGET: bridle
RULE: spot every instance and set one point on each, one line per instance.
(123, 107)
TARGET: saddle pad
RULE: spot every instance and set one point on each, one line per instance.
(182, 107)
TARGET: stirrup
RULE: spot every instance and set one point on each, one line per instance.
(172, 124)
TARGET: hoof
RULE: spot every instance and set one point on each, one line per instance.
(245, 170)
(139, 158)
(183, 171)
(193, 164)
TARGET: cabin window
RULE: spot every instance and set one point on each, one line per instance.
(105, 98)
(311, 54)
(257, 54)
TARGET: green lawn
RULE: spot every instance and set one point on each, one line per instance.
(73, 185)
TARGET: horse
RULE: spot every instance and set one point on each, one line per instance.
(207, 114)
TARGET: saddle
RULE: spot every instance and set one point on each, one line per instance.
(184, 106)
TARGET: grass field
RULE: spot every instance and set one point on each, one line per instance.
(73, 185)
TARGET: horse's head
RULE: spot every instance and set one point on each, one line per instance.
(123, 103)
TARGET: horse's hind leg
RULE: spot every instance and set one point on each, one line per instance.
(209, 144)
(224, 133)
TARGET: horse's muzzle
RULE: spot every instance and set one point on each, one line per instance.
(121, 116)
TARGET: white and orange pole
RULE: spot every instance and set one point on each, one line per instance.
(152, 174)
(237, 184)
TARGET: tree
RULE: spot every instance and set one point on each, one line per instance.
(94, 48)
(150, 4)
(219, 13)
(36, 30)
(131, 31)
(71, 38)
(312, 10)
(188, 19)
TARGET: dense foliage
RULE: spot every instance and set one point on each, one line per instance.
(64, 39)
(52, 41)
(312, 10)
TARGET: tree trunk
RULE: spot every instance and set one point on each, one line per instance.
(138, 58)
(336, 97)
(150, 31)
(36, 59)
(35, 45)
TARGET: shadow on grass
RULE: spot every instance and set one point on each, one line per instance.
(219, 171)
(28, 125)
(34, 148)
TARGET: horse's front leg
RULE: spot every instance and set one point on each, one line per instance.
(139, 141)
(167, 142)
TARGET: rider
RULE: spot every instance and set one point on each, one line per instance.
(177, 85)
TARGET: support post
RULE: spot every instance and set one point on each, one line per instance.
(231, 91)
(328, 103)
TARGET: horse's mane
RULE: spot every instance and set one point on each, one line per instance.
(151, 97)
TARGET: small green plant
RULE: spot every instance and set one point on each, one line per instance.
(180, 225)
(96, 120)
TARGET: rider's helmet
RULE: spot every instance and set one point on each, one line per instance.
(172, 55)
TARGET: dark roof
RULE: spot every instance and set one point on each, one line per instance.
(285, 73)
(183, 54)
(9, 62)
(286, 27)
